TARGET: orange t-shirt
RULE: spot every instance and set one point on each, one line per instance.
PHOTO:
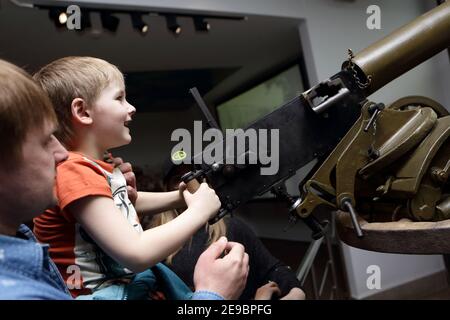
(83, 265)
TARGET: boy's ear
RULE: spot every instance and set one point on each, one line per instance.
(80, 112)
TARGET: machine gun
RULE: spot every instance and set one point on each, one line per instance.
(376, 163)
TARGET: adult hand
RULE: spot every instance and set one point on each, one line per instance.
(127, 171)
(295, 294)
(267, 291)
(225, 275)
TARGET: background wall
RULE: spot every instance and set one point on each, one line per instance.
(328, 27)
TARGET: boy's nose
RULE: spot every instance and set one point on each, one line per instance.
(131, 109)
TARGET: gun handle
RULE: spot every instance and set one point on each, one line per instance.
(192, 185)
(222, 213)
(190, 179)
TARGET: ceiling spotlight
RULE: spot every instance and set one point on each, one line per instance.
(173, 25)
(109, 21)
(200, 24)
(62, 18)
(58, 16)
(138, 23)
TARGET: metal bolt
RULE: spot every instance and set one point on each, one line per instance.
(373, 153)
(426, 211)
(439, 175)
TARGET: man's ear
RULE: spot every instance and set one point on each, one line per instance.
(80, 111)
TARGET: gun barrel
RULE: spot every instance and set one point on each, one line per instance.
(405, 48)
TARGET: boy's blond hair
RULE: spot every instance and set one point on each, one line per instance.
(23, 106)
(75, 77)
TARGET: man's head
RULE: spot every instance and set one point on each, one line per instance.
(173, 179)
(87, 94)
(29, 151)
(173, 169)
(172, 174)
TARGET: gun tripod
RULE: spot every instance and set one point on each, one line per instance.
(307, 266)
(323, 232)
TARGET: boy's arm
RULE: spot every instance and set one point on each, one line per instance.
(149, 202)
(139, 251)
(157, 202)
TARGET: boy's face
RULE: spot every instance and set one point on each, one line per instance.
(28, 187)
(111, 114)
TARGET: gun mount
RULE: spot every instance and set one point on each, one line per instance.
(378, 164)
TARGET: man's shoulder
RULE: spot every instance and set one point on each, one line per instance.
(18, 287)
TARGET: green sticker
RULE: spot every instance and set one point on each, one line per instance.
(179, 156)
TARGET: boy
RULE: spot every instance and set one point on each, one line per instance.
(94, 233)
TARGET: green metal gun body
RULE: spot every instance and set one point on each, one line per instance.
(325, 117)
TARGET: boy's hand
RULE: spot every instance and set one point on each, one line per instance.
(204, 200)
(127, 171)
(181, 187)
(225, 276)
(267, 291)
